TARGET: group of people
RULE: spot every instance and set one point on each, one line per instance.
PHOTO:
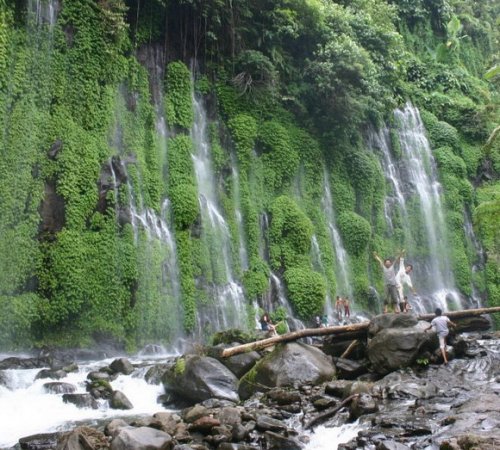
(342, 307)
(394, 282)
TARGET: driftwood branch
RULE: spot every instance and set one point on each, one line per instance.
(342, 331)
(330, 412)
(349, 349)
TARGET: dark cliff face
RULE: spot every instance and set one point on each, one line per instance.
(106, 225)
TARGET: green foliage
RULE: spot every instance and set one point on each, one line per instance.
(185, 206)
(18, 314)
(178, 108)
(280, 157)
(244, 132)
(290, 234)
(356, 232)
(306, 290)
(256, 279)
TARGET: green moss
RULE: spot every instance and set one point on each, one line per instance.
(244, 132)
(185, 206)
(290, 234)
(306, 291)
(178, 108)
(356, 232)
(180, 366)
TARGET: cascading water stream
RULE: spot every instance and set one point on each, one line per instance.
(341, 258)
(416, 195)
(318, 265)
(226, 306)
(242, 250)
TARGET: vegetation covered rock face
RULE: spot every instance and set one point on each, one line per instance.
(291, 88)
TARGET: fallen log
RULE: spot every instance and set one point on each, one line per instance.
(462, 313)
(343, 330)
(293, 336)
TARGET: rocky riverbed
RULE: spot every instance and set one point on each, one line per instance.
(389, 392)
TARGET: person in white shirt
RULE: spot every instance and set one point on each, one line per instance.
(440, 324)
(391, 294)
(403, 277)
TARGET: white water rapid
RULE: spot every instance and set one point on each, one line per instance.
(26, 408)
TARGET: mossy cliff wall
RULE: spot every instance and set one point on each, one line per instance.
(291, 88)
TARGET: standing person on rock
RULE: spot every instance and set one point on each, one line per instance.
(339, 303)
(391, 297)
(440, 324)
(403, 277)
(347, 309)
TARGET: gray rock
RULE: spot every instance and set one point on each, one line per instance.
(98, 376)
(361, 405)
(276, 441)
(291, 364)
(42, 441)
(230, 446)
(283, 396)
(394, 348)
(142, 438)
(348, 369)
(119, 400)
(391, 445)
(80, 400)
(82, 438)
(199, 378)
(112, 428)
(384, 321)
(52, 374)
(238, 364)
(166, 422)
(57, 387)
(229, 416)
(338, 388)
(122, 365)
(156, 372)
(265, 423)
(194, 413)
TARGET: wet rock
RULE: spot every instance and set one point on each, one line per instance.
(386, 321)
(276, 441)
(82, 438)
(204, 424)
(141, 438)
(4, 379)
(283, 396)
(361, 405)
(324, 403)
(240, 433)
(57, 387)
(194, 413)
(100, 389)
(42, 441)
(338, 388)
(80, 400)
(70, 368)
(393, 348)
(52, 374)
(165, 421)
(348, 369)
(238, 364)
(291, 364)
(14, 362)
(156, 372)
(119, 400)
(199, 378)
(391, 445)
(122, 365)
(98, 376)
(229, 416)
(265, 423)
(112, 428)
(333, 347)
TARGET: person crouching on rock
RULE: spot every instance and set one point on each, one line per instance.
(440, 325)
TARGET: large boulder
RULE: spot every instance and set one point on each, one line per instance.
(239, 364)
(291, 364)
(80, 400)
(119, 400)
(198, 378)
(122, 365)
(397, 341)
(58, 387)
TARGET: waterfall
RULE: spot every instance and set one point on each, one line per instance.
(341, 258)
(226, 306)
(43, 12)
(242, 249)
(281, 300)
(319, 266)
(415, 199)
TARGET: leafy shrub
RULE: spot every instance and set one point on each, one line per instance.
(306, 290)
(185, 206)
(356, 232)
(178, 107)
